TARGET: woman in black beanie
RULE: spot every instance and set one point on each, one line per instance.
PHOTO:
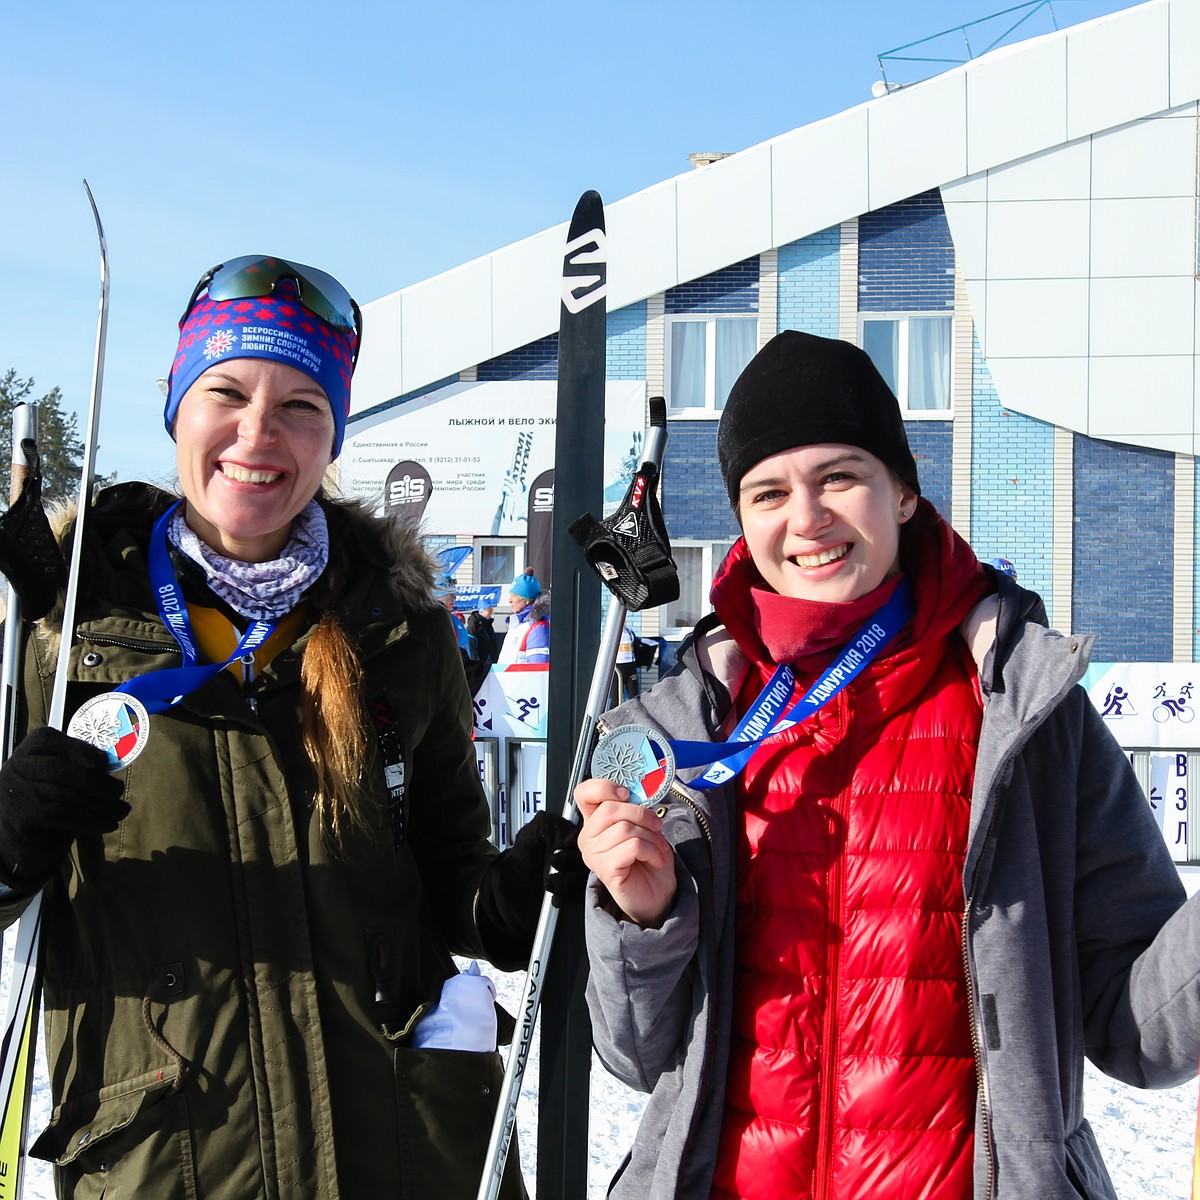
(864, 952)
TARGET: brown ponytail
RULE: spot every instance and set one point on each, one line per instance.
(336, 731)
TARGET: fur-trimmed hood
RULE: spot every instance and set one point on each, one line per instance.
(122, 516)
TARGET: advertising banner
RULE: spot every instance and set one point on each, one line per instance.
(470, 456)
(510, 733)
(1150, 708)
(1147, 705)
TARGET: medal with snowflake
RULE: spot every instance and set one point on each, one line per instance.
(637, 758)
(115, 722)
(99, 727)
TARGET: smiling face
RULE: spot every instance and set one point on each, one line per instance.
(823, 522)
(252, 440)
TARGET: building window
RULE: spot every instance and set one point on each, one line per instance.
(697, 563)
(499, 561)
(912, 352)
(705, 354)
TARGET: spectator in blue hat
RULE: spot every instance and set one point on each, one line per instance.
(528, 638)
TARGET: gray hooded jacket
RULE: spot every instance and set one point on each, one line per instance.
(1077, 937)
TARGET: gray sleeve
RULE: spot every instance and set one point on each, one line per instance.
(642, 986)
(1138, 943)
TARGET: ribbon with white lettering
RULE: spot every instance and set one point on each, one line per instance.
(766, 715)
(161, 690)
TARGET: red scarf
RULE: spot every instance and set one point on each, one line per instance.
(947, 579)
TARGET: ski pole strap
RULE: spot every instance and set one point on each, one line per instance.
(766, 716)
(630, 550)
(161, 690)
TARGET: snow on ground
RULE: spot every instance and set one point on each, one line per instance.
(1147, 1137)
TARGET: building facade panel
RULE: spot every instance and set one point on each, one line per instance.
(1123, 528)
(1012, 485)
(906, 257)
(731, 290)
(625, 346)
(695, 506)
(808, 283)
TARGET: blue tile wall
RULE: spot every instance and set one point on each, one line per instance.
(733, 289)
(1012, 484)
(932, 445)
(538, 360)
(808, 283)
(694, 500)
(1124, 532)
(625, 345)
(906, 257)
(625, 352)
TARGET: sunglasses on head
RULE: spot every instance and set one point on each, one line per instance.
(254, 275)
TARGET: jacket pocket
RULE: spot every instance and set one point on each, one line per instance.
(124, 1139)
(447, 1100)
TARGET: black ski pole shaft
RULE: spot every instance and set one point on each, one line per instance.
(24, 429)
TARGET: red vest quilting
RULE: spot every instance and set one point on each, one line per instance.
(852, 1073)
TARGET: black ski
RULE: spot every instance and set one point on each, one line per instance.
(566, 1042)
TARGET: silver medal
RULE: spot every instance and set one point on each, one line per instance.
(114, 722)
(638, 758)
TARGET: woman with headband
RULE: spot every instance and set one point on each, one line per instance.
(248, 929)
(910, 880)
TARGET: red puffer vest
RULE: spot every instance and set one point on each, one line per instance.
(852, 1073)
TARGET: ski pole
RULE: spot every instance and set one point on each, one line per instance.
(24, 429)
(20, 1033)
(543, 938)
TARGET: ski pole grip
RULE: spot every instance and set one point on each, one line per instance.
(24, 449)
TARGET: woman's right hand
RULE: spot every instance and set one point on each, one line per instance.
(622, 843)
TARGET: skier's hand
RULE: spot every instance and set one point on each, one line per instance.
(622, 843)
(53, 789)
(543, 858)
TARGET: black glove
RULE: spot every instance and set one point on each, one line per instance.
(544, 858)
(52, 789)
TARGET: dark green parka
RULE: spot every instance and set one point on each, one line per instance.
(227, 1000)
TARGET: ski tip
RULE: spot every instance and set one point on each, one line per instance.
(658, 412)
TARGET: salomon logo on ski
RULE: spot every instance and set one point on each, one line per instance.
(585, 271)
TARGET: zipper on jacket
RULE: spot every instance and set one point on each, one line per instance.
(247, 661)
(678, 792)
(826, 1127)
(145, 645)
(977, 1044)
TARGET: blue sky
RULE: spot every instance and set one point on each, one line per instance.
(384, 144)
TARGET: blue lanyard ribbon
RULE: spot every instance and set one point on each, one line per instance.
(766, 715)
(161, 690)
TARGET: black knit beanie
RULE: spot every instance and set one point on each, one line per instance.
(802, 390)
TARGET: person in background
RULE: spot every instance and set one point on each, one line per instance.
(474, 667)
(867, 955)
(625, 672)
(446, 598)
(527, 639)
(481, 628)
(244, 931)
